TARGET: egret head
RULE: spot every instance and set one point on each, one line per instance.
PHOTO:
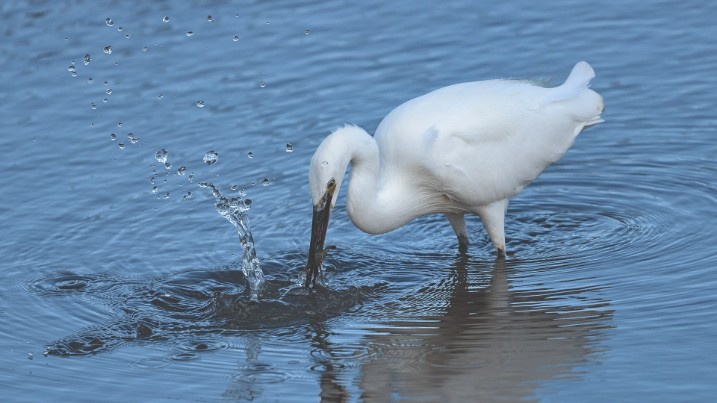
(326, 171)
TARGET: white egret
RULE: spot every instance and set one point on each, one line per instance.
(465, 148)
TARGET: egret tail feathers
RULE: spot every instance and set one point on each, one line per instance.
(582, 103)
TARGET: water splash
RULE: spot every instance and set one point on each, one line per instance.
(235, 210)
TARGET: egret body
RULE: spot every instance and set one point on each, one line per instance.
(462, 149)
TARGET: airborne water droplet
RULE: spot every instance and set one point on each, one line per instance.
(167, 165)
(181, 170)
(121, 146)
(262, 84)
(200, 104)
(250, 155)
(93, 106)
(289, 147)
(165, 19)
(154, 189)
(210, 18)
(190, 33)
(113, 137)
(90, 80)
(108, 91)
(161, 156)
(187, 196)
(236, 38)
(210, 157)
(265, 182)
(306, 32)
(109, 22)
(86, 59)
(108, 49)
(132, 138)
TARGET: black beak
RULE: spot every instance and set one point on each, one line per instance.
(319, 224)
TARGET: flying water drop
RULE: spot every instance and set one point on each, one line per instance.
(108, 49)
(236, 38)
(190, 33)
(132, 138)
(86, 59)
(181, 170)
(200, 104)
(165, 19)
(109, 22)
(210, 18)
(289, 147)
(161, 156)
(121, 146)
(250, 155)
(265, 182)
(210, 157)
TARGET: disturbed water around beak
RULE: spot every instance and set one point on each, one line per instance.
(121, 282)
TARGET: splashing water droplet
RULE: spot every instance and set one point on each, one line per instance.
(265, 182)
(325, 164)
(200, 104)
(132, 138)
(113, 137)
(210, 18)
(121, 146)
(235, 211)
(235, 187)
(119, 124)
(104, 100)
(210, 157)
(120, 29)
(165, 19)
(190, 177)
(127, 36)
(250, 155)
(155, 189)
(190, 33)
(86, 59)
(167, 165)
(72, 68)
(108, 91)
(30, 356)
(235, 38)
(161, 156)
(262, 84)
(289, 147)
(306, 32)
(90, 80)
(181, 170)
(108, 49)
(109, 22)
(93, 106)
(187, 196)
(144, 49)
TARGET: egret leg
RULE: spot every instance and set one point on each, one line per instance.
(458, 223)
(493, 217)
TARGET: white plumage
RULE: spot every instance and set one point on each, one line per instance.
(465, 148)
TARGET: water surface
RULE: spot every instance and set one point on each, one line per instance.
(121, 281)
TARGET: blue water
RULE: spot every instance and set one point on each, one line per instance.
(121, 282)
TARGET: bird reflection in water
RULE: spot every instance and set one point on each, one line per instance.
(490, 342)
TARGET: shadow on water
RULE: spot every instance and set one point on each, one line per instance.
(197, 305)
(488, 341)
